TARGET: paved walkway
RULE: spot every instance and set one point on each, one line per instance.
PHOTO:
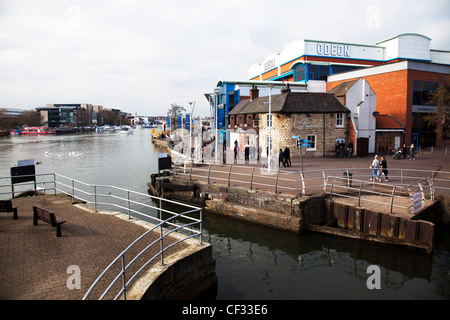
(34, 262)
(241, 172)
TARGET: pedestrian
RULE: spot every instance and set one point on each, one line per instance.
(342, 149)
(247, 153)
(383, 164)
(404, 151)
(281, 158)
(350, 149)
(411, 150)
(235, 152)
(375, 166)
(287, 156)
(337, 147)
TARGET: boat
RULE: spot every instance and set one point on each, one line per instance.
(15, 132)
(125, 130)
(34, 131)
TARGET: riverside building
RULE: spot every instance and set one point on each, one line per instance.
(387, 87)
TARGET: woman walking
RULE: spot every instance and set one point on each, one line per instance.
(383, 164)
(375, 166)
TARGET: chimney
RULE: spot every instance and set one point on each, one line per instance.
(254, 93)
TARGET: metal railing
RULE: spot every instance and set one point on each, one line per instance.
(303, 182)
(167, 216)
(399, 198)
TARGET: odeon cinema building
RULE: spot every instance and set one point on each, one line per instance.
(387, 89)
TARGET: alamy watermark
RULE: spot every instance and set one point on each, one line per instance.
(374, 280)
(74, 280)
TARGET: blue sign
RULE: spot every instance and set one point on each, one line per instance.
(294, 137)
(188, 121)
(304, 140)
(305, 145)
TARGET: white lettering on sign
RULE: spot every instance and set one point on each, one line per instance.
(330, 49)
(269, 64)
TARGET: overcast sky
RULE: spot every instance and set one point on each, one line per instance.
(143, 56)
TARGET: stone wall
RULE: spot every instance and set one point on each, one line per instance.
(321, 125)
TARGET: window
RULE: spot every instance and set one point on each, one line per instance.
(423, 92)
(339, 120)
(317, 72)
(312, 142)
(269, 120)
(299, 73)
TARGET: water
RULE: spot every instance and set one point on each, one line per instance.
(252, 262)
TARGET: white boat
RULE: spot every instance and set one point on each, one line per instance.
(126, 130)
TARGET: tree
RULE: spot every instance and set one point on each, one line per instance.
(441, 120)
(174, 112)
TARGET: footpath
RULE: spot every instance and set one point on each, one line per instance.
(37, 265)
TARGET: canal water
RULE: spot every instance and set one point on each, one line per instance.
(252, 262)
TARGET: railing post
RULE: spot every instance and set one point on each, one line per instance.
(128, 201)
(251, 180)
(201, 226)
(430, 183)
(229, 175)
(209, 172)
(124, 280)
(73, 191)
(161, 242)
(359, 194)
(303, 183)
(54, 183)
(276, 182)
(392, 198)
(331, 189)
(324, 181)
(95, 198)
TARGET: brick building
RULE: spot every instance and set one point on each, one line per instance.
(403, 71)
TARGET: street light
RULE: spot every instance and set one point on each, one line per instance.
(216, 93)
(190, 126)
(269, 157)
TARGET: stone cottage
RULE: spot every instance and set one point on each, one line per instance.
(318, 117)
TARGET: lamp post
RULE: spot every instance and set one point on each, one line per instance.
(216, 102)
(190, 126)
(269, 157)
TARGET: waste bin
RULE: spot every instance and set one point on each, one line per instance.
(349, 176)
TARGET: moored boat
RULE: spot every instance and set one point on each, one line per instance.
(36, 131)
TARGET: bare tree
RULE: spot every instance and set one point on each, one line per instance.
(174, 112)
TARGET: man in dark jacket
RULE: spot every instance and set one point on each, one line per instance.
(287, 156)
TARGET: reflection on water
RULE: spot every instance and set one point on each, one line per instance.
(252, 262)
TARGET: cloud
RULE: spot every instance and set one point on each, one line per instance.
(142, 56)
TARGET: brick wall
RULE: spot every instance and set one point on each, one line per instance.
(394, 93)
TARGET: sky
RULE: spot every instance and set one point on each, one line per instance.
(143, 56)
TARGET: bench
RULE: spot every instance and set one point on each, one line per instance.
(6, 206)
(49, 217)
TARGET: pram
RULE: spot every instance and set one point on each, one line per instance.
(398, 154)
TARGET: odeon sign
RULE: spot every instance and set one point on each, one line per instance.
(330, 49)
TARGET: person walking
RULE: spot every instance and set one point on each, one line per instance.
(383, 164)
(375, 166)
(287, 156)
(404, 151)
(281, 159)
(411, 151)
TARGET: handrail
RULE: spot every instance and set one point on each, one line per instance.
(89, 193)
(305, 178)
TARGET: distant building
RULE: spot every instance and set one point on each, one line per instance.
(58, 115)
(12, 112)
